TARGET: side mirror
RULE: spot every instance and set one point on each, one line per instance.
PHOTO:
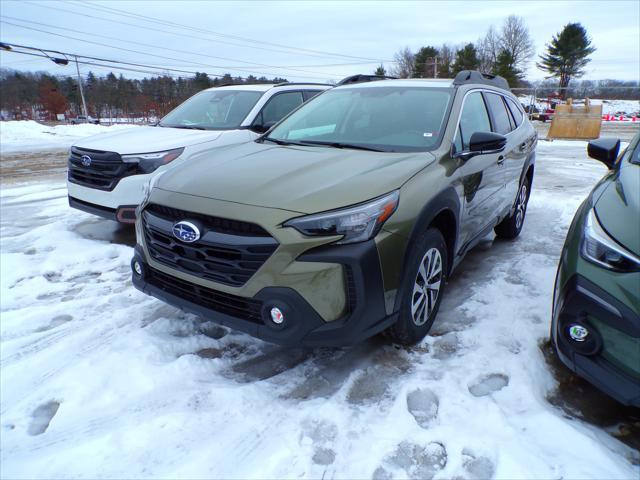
(265, 127)
(482, 143)
(604, 149)
(487, 142)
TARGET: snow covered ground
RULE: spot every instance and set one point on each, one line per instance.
(100, 381)
(30, 135)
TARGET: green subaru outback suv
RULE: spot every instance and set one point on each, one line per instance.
(347, 217)
(596, 310)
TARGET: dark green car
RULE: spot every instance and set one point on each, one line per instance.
(596, 309)
(347, 218)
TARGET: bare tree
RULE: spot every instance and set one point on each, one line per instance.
(488, 50)
(404, 61)
(516, 40)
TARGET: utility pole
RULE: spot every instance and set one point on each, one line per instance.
(435, 67)
(84, 103)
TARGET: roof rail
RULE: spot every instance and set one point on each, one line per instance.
(360, 78)
(473, 76)
(302, 83)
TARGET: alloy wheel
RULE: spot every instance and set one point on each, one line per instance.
(426, 287)
(521, 205)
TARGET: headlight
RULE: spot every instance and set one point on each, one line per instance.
(148, 162)
(599, 248)
(356, 224)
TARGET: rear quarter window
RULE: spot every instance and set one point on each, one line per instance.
(502, 124)
(515, 111)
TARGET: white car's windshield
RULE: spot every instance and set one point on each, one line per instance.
(213, 110)
(389, 119)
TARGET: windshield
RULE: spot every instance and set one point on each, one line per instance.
(213, 110)
(389, 119)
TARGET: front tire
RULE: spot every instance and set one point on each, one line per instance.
(510, 227)
(422, 289)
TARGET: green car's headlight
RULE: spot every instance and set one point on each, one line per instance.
(599, 248)
(355, 224)
(149, 162)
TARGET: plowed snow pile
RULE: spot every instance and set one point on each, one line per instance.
(29, 135)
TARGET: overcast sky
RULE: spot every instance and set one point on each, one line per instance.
(306, 41)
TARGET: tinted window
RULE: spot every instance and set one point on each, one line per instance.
(213, 109)
(398, 119)
(474, 118)
(309, 94)
(515, 111)
(279, 106)
(500, 114)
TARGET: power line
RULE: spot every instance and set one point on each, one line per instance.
(164, 71)
(168, 49)
(127, 49)
(218, 34)
(178, 34)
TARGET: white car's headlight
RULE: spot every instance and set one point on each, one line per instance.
(149, 162)
(355, 224)
(599, 248)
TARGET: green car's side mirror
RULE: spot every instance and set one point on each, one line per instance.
(604, 149)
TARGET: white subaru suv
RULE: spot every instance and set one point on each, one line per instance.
(107, 173)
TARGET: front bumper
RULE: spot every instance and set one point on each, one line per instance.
(122, 214)
(365, 314)
(580, 301)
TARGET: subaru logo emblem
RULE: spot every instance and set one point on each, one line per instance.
(86, 160)
(186, 231)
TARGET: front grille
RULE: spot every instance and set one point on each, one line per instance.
(103, 173)
(221, 254)
(233, 305)
(216, 224)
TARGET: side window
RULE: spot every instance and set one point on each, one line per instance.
(515, 111)
(309, 94)
(474, 118)
(499, 113)
(279, 106)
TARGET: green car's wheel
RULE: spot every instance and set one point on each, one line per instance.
(510, 227)
(422, 289)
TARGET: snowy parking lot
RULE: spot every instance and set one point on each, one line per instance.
(99, 380)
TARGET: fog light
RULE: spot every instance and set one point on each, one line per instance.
(578, 333)
(137, 267)
(277, 316)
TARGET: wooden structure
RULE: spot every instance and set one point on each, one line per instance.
(576, 121)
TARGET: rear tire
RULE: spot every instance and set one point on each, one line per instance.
(510, 227)
(422, 288)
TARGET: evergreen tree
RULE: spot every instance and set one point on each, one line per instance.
(505, 67)
(567, 54)
(380, 71)
(424, 62)
(466, 59)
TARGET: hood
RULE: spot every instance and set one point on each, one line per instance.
(147, 139)
(618, 207)
(298, 179)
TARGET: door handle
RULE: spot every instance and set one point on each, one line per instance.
(500, 160)
(523, 146)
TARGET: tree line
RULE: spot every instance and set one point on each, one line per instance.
(39, 94)
(507, 51)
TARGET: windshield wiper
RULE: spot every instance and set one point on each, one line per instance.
(281, 142)
(186, 127)
(354, 146)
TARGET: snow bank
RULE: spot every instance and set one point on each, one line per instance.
(30, 135)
